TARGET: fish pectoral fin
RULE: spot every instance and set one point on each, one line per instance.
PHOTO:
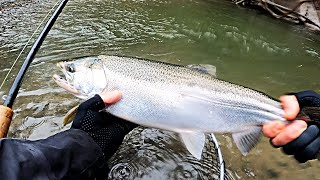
(71, 114)
(194, 142)
(246, 140)
(204, 68)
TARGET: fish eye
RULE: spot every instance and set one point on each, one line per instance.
(70, 68)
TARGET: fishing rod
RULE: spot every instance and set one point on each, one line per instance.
(6, 111)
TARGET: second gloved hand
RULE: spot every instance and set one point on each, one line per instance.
(307, 145)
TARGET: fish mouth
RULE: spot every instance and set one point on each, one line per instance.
(65, 82)
(62, 82)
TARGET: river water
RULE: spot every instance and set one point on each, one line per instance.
(247, 47)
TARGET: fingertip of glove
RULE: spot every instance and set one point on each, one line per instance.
(313, 130)
(310, 152)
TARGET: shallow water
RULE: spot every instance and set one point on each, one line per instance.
(247, 48)
(149, 153)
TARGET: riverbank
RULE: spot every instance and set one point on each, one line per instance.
(296, 11)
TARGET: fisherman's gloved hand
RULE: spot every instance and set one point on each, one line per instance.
(307, 145)
(105, 129)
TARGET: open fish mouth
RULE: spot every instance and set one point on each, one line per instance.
(62, 82)
(65, 82)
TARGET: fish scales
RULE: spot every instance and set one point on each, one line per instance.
(164, 85)
(163, 75)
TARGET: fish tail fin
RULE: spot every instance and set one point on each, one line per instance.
(246, 140)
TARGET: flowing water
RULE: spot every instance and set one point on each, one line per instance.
(247, 47)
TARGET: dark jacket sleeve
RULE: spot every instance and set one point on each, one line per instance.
(71, 154)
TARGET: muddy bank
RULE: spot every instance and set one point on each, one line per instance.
(306, 12)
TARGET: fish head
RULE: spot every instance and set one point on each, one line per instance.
(83, 78)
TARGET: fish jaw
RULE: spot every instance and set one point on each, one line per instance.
(65, 85)
(66, 82)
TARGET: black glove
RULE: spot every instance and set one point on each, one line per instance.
(105, 129)
(307, 145)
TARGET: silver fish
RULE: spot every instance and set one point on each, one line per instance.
(150, 153)
(187, 100)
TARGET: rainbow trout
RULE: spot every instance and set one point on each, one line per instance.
(188, 100)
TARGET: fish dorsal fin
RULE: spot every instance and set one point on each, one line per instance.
(194, 142)
(204, 68)
(246, 140)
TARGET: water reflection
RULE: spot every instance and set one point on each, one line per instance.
(149, 153)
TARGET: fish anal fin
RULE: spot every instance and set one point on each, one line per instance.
(246, 140)
(194, 142)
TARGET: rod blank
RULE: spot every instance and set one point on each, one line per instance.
(13, 92)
